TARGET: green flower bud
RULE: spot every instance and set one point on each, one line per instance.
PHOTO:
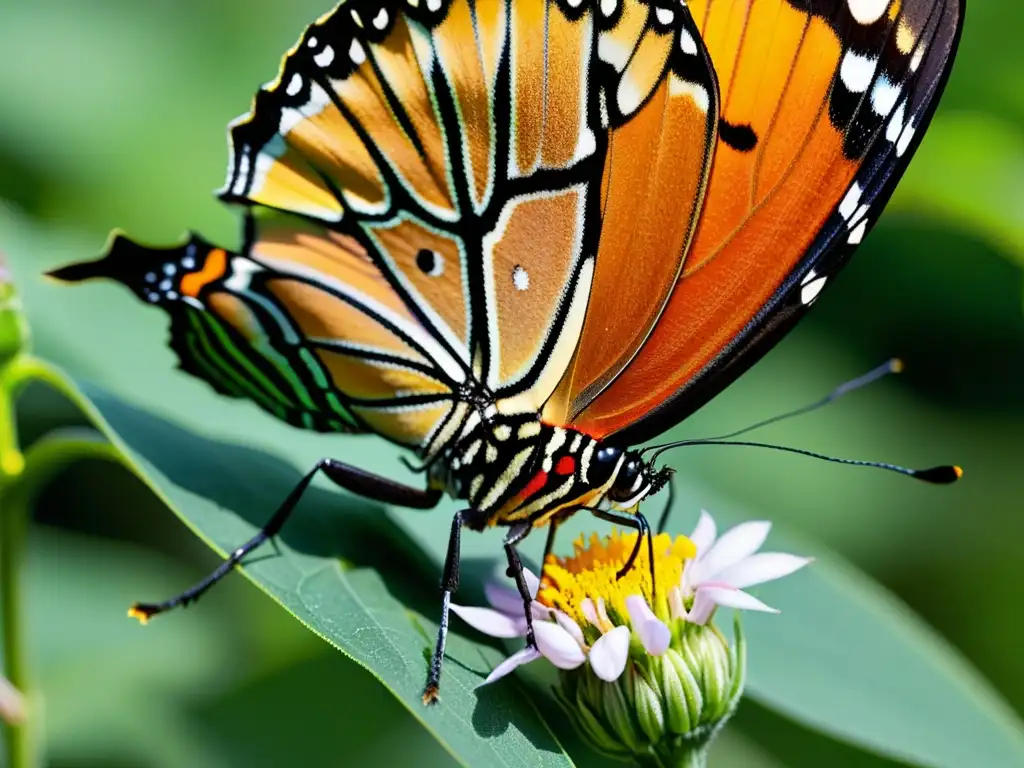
(665, 708)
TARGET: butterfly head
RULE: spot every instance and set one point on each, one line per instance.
(631, 477)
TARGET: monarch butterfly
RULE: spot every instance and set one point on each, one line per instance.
(517, 238)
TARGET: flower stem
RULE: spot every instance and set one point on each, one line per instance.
(20, 746)
(21, 479)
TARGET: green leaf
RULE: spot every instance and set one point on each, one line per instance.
(343, 569)
(970, 170)
(848, 658)
(845, 656)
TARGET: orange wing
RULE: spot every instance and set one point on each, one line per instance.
(424, 184)
(822, 105)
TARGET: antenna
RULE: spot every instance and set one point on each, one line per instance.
(942, 475)
(894, 365)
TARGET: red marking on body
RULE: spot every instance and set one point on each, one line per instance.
(565, 466)
(537, 483)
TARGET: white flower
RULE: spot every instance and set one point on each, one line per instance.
(713, 572)
(723, 568)
(559, 639)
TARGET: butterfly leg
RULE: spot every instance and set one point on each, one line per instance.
(639, 524)
(515, 571)
(549, 545)
(663, 520)
(449, 586)
(344, 475)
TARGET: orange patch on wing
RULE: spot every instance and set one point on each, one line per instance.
(654, 182)
(369, 380)
(214, 268)
(410, 426)
(454, 41)
(443, 292)
(534, 251)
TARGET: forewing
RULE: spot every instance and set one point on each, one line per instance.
(823, 104)
(662, 104)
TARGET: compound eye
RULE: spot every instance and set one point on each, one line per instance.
(628, 480)
(603, 464)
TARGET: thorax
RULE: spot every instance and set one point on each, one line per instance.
(513, 469)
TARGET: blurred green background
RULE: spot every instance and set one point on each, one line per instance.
(112, 114)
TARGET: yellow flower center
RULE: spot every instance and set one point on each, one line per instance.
(591, 572)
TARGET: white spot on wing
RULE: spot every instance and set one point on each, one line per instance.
(895, 127)
(520, 278)
(608, 7)
(905, 138)
(381, 19)
(856, 71)
(294, 85)
(687, 43)
(356, 53)
(867, 11)
(884, 96)
(858, 233)
(850, 202)
(810, 291)
(665, 15)
(325, 57)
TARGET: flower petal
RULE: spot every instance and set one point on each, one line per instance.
(762, 567)
(517, 659)
(675, 603)
(654, 635)
(732, 546)
(609, 654)
(704, 534)
(557, 645)
(589, 611)
(735, 598)
(532, 582)
(570, 626)
(702, 608)
(539, 611)
(504, 598)
(491, 622)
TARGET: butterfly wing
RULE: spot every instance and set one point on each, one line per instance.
(822, 106)
(424, 186)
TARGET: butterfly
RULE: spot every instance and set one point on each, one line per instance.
(519, 238)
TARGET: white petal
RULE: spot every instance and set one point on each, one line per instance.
(609, 655)
(735, 598)
(539, 611)
(532, 582)
(557, 645)
(702, 608)
(762, 567)
(504, 598)
(675, 603)
(703, 535)
(491, 622)
(517, 659)
(570, 626)
(654, 635)
(589, 611)
(733, 545)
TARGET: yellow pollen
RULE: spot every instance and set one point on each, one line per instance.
(591, 573)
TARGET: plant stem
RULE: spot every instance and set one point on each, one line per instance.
(21, 479)
(21, 750)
